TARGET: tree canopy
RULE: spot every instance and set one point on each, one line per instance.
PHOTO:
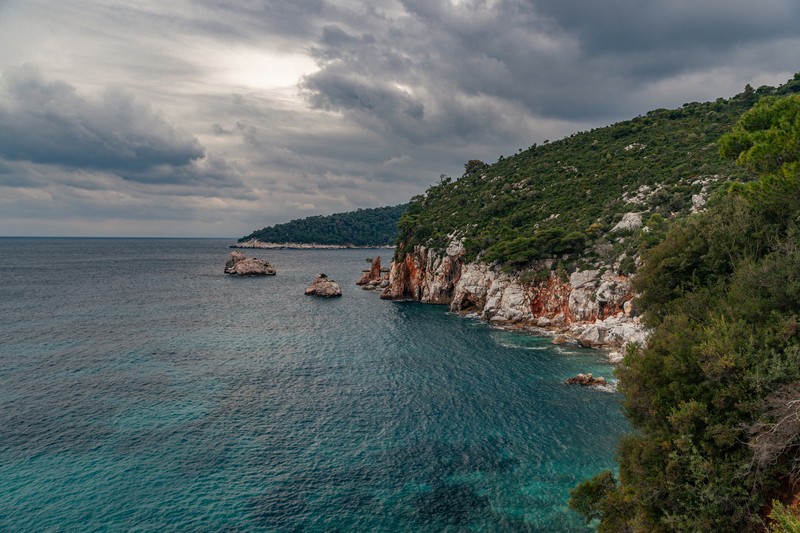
(364, 227)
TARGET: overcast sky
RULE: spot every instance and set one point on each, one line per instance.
(217, 117)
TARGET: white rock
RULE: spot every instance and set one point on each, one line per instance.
(628, 307)
(630, 221)
(582, 278)
(455, 248)
(592, 336)
(698, 202)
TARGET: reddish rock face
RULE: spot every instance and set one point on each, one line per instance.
(594, 307)
(423, 276)
(431, 278)
(550, 299)
(405, 279)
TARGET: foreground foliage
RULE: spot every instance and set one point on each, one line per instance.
(715, 397)
(785, 519)
(364, 227)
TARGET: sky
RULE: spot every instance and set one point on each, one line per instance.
(212, 118)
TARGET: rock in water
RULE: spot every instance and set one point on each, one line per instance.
(587, 380)
(374, 273)
(240, 265)
(324, 287)
(560, 339)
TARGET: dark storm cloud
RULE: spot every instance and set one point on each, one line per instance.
(565, 60)
(339, 90)
(234, 115)
(625, 26)
(49, 122)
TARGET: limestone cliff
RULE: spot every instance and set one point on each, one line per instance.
(594, 308)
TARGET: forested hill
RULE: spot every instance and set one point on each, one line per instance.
(563, 199)
(364, 227)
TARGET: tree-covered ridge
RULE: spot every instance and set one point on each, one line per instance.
(364, 227)
(562, 199)
(715, 396)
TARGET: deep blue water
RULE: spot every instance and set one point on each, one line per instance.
(142, 389)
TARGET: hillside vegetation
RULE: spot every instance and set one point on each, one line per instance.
(364, 227)
(562, 199)
(715, 396)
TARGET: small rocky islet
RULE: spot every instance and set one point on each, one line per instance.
(241, 265)
(323, 287)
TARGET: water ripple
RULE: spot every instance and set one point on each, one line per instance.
(143, 389)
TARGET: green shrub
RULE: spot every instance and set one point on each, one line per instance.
(722, 292)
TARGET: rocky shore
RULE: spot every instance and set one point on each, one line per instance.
(592, 308)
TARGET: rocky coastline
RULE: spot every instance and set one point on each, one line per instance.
(592, 308)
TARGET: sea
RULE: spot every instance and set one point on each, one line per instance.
(142, 389)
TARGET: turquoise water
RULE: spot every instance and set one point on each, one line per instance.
(142, 389)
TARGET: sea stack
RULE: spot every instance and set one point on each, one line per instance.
(373, 274)
(240, 265)
(324, 287)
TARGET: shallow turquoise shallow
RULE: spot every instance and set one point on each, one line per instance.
(142, 389)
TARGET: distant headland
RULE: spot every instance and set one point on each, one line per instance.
(255, 243)
(363, 228)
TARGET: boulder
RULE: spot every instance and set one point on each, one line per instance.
(628, 308)
(587, 380)
(240, 265)
(323, 287)
(593, 336)
(629, 222)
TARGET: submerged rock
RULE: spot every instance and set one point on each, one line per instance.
(240, 265)
(323, 287)
(560, 339)
(587, 380)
